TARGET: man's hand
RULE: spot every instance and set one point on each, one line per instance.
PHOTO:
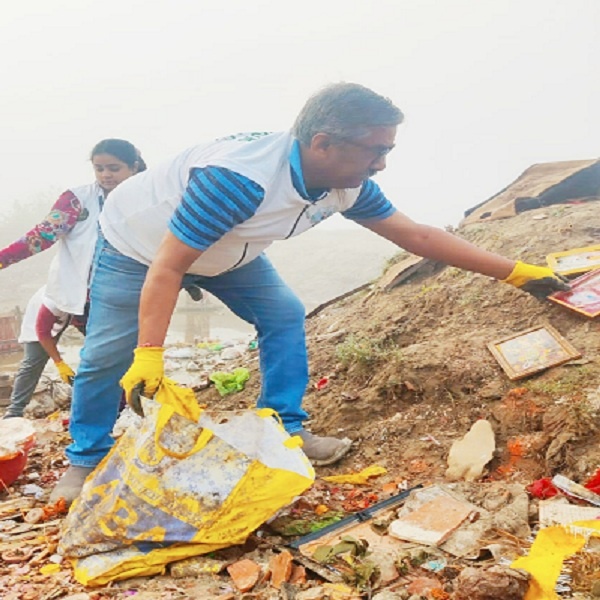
(538, 281)
(144, 375)
(66, 373)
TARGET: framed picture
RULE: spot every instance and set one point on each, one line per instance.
(533, 350)
(584, 295)
(578, 260)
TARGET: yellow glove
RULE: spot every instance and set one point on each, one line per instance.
(66, 373)
(538, 281)
(144, 375)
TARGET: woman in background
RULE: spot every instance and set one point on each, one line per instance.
(72, 223)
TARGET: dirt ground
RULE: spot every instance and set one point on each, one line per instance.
(404, 374)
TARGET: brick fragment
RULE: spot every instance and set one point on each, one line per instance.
(245, 574)
(281, 568)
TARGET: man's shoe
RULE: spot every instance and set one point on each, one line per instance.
(70, 484)
(11, 415)
(323, 451)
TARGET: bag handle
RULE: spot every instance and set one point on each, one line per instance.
(164, 416)
(294, 441)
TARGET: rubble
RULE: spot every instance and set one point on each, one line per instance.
(404, 409)
(495, 583)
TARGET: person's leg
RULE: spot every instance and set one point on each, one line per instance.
(27, 378)
(257, 294)
(111, 337)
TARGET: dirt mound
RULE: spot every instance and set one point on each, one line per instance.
(412, 363)
(409, 370)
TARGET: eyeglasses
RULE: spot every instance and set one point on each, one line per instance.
(377, 151)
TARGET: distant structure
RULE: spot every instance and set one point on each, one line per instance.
(541, 185)
(197, 316)
(10, 325)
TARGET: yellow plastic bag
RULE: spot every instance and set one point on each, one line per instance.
(359, 478)
(551, 547)
(186, 483)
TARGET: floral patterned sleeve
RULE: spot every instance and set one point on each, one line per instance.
(63, 216)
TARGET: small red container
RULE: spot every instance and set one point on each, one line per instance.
(13, 465)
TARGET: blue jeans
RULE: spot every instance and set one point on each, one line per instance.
(254, 292)
(27, 378)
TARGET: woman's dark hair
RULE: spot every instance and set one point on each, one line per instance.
(121, 149)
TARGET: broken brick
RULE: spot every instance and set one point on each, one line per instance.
(421, 586)
(281, 568)
(298, 576)
(245, 574)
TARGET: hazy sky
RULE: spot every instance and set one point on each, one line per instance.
(488, 87)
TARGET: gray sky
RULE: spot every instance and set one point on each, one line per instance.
(488, 87)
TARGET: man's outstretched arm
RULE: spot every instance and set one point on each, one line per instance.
(435, 243)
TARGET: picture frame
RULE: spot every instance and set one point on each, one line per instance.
(531, 351)
(575, 261)
(584, 295)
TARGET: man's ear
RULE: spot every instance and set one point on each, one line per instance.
(321, 142)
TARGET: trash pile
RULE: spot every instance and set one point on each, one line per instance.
(356, 534)
(459, 484)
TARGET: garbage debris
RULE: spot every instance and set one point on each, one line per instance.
(31, 489)
(560, 512)
(192, 567)
(575, 489)
(230, 354)
(550, 548)
(347, 526)
(500, 507)
(17, 437)
(390, 404)
(179, 353)
(575, 260)
(531, 351)
(497, 582)
(245, 574)
(322, 383)
(542, 488)
(584, 295)
(227, 383)
(433, 522)
(468, 456)
(280, 568)
(359, 478)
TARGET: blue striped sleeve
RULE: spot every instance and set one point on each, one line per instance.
(371, 204)
(214, 202)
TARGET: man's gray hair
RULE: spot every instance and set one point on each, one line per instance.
(345, 111)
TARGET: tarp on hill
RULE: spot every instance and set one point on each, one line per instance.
(541, 185)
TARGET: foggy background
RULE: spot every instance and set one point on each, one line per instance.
(488, 88)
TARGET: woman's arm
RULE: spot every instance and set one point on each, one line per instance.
(63, 216)
(43, 327)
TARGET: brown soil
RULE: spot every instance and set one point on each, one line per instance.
(409, 372)
(425, 370)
